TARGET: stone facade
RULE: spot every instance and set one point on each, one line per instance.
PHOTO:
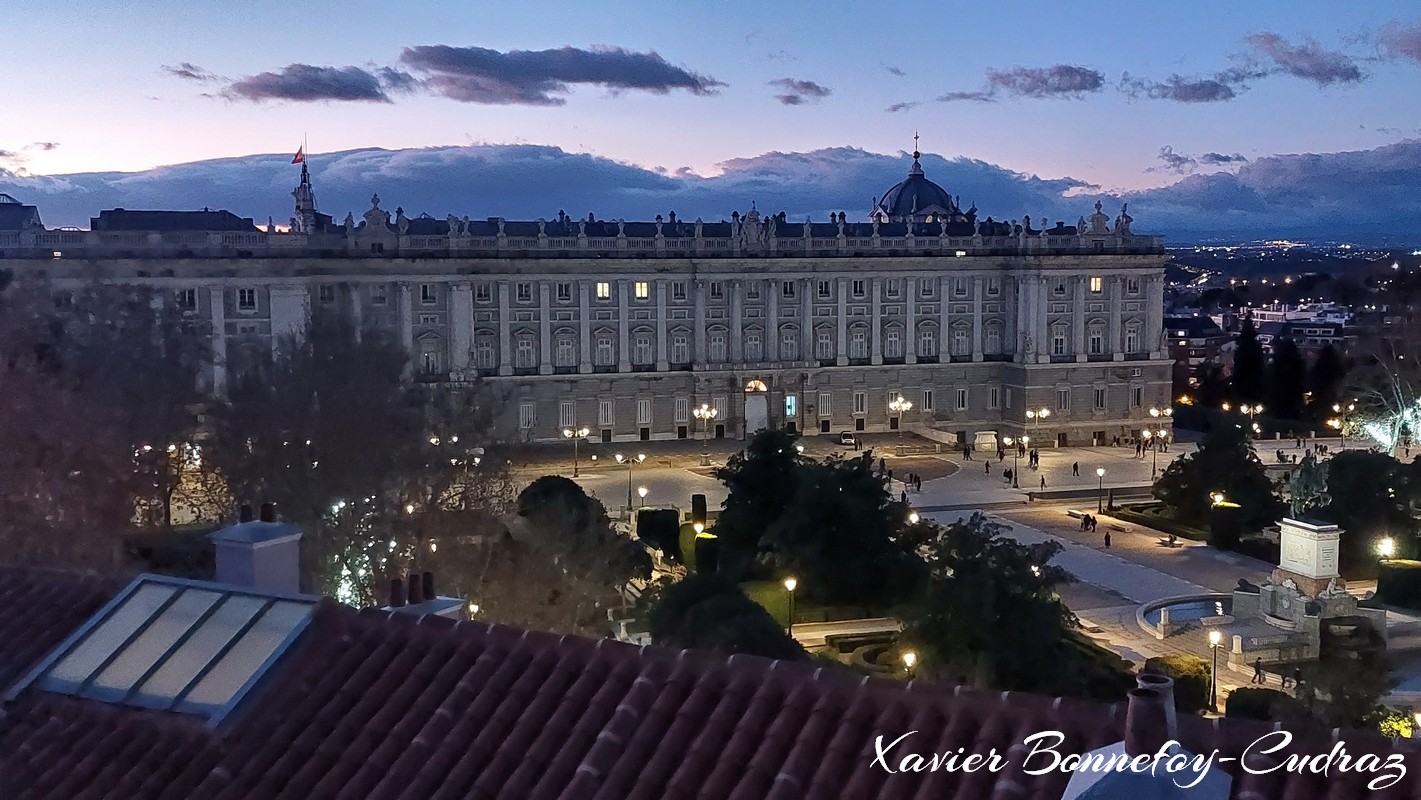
(626, 327)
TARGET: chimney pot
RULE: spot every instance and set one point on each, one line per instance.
(397, 593)
(244, 513)
(416, 589)
(268, 513)
(1165, 686)
(427, 585)
(1145, 722)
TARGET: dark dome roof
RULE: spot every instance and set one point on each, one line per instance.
(915, 194)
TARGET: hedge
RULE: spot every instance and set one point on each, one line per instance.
(772, 596)
(1191, 680)
(1399, 583)
(1158, 522)
(1265, 704)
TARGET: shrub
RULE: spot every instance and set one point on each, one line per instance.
(1399, 583)
(1191, 680)
(1265, 704)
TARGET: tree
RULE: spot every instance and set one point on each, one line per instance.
(1369, 496)
(1248, 365)
(1386, 380)
(1224, 463)
(761, 482)
(1191, 680)
(1325, 381)
(1344, 689)
(990, 609)
(709, 612)
(1287, 380)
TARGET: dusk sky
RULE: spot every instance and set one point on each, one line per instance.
(1119, 96)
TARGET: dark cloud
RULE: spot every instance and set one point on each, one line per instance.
(543, 77)
(1181, 89)
(1220, 158)
(46, 146)
(1307, 60)
(896, 107)
(797, 92)
(189, 71)
(1060, 80)
(306, 83)
(1364, 196)
(1401, 40)
(893, 70)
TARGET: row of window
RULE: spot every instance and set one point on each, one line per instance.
(681, 406)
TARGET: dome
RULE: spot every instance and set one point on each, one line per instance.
(915, 199)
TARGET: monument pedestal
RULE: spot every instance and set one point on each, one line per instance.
(1308, 555)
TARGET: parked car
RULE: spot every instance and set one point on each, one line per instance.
(846, 439)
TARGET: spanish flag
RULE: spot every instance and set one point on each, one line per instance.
(300, 157)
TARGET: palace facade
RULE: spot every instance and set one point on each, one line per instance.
(626, 327)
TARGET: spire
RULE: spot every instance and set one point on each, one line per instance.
(917, 169)
(305, 201)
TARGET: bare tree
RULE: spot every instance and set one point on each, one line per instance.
(1386, 385)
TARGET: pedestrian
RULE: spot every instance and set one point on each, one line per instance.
(1043, 481)
(987, 467)
(1297, 679)
(1075, 469)
(880, 466)
(1093, 523)
(904, 497)
(1006, 474)
(918, 479)
(1001, 454)
(1107, 540)
(1085, 521)
(1258, 676)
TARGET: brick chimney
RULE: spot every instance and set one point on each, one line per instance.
(416, 596)
(262, 553)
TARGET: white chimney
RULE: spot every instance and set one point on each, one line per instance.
(263, 554)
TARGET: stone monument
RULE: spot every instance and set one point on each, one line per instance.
(1308, 548)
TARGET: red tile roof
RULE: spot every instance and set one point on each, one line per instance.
(377, 705)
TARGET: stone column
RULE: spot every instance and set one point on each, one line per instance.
(737, 326)
(584, 320)
(545, 328)
(842, 346)
(944, 329)
(772, 322)
(877, 351)
(910, 325)
(1043, 313)
(505, 331)
(662, 364)
(1154, 316)
(977, 321)
(1078, 319)
(806, 326)
(356, 309)
(461, 325)
(624, 326)
(700, 320)
(217, 297)
(1019, 320)
(406, 322)
(1116, 344)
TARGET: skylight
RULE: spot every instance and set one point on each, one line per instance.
(174, 645)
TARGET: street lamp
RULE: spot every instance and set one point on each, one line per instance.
(705, 414)
(790, 585)
(910, 660)
(1100, 490)
(576, 435)
(1038, 415)
(641, 492)
(898, 405)
(1386, 547)
(1163, 415)
(1218, 498)
(631, 462)
(913, 518)
(1008, 442)
(1341, 426)
(1216, 638)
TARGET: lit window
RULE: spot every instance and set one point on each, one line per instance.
(604, 290)
(643, 290)
(1097, 284)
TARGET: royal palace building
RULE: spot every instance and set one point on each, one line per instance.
(626, 328)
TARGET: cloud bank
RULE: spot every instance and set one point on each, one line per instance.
(1368, 195)
(1060, 80)
(798, 92)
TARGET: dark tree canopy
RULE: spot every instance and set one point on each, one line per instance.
(709, 612)
(1248, 365)
(1224, 462)
(1325, 380)
(1287, 380)
(1371, 495)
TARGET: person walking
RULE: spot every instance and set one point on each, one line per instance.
(1093, 523)
(1075, 469)
(1107, 540)
(881, 466)
(987, 467)
(904, 496)
(1258, 676)
(1043, 481)
(918, 480)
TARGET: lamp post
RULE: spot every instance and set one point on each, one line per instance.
(910, 660)
(898, 405)
(1162, 435)
(631, 462)
(1038, 415)
(1386, 548)
(576, 435)
(1100, 490)
(641, 492)
(1216, 638)
(705, 414)
(1008, 442)
(1343, 411)
(790, 585)
(913, 518)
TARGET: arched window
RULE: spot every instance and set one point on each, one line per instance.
(525, 353)
(824, 345)
(606, 352)
(960, 347)
(858, 342)
(643, 349)
(1059, 333)
(565, 353)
